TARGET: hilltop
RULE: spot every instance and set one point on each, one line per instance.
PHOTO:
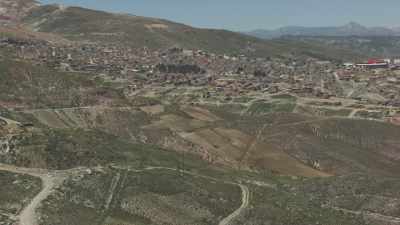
(80, 24)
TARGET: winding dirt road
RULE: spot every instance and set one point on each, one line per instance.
(28, 214)
(245, 203)
(50, 181)
(245, 193)
(53, 179)
(227, 220)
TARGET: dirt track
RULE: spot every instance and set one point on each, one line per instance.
(375, 216)
(245, 203)
(53, 179)
(227, 220)
(50, 181)
(28, 214)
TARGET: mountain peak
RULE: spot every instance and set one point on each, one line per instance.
(353, 25)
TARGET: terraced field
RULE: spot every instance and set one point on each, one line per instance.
(169, 163)
(284, 143)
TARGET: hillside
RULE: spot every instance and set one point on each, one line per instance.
(96, 26)
(82, 24)
(110, 119)
(160, 164)
(25, 85)
(13, 11)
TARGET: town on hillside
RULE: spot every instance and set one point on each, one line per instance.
(367, 90)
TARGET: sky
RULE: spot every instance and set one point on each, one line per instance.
(246, 15)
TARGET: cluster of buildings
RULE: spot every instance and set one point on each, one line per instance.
(172, 66)
(219, 75)
(393, 63)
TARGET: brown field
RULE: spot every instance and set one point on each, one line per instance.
(200, 114)
(176, 123)
(289, 144)
(153, 110)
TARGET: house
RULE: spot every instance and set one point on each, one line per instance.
(396, 61)
(348, 65)
(4, 18)
(374, 64)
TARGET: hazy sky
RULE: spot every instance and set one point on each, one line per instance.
(253, 14)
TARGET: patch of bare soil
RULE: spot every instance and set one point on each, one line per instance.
(176, 123)
(200, 114)
(153, 110)
(156, 26)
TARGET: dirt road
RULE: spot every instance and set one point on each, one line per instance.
(375, 216)
(227, 220)
(50, 181)
(245, 203)
(53, 179)
(28, 215)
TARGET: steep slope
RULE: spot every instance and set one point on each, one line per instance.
(27, 85)
(13, 11)
(332, 145)
(28, 35)
(95, 26)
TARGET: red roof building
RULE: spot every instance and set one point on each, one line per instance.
(5, 17)
(375, 61)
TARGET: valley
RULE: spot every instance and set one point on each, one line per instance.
(114, 119)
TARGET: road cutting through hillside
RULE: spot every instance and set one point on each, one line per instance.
(227, 220)
(28, 215)
(50, 181)
(376, 216)
(53, 179)
(245, 203)
(245, 194)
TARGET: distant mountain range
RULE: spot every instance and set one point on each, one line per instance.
(350, 29)
(93, 26)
